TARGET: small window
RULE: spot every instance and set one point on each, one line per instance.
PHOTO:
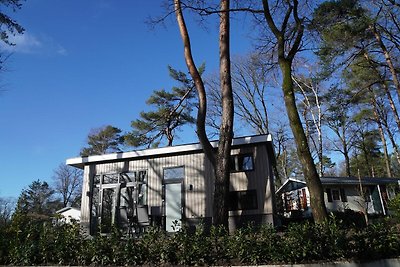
(335, 195)
(174, 173)
(243, 162)
(243, 200)
(329, 194)
(367, 195)
(343, 195)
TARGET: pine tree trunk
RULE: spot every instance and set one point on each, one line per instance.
(388, 59)
(346, 159)
(222, 170)
(220, 160)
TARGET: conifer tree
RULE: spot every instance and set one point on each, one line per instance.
(172, 110)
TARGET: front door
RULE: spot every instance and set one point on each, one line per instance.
(173, 207)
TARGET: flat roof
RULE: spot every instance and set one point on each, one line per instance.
(79, 162)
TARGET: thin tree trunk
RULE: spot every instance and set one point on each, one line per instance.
(347, 161)
(345, 152)
(198, 81)
(392, 105)
(383, 139)
(393, 142)
(389, 96)
(388, 59)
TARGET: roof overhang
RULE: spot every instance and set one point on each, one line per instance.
(290, 185)
(80, 162)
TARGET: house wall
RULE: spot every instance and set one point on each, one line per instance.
(354, 200)
(260, 179)
(71, 214)
(197, 184)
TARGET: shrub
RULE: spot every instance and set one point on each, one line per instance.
(394, 207)
(38, 242)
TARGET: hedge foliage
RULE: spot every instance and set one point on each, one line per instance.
(35, 242)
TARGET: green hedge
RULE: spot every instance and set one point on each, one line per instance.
(34, 242)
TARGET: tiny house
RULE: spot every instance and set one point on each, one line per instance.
(365, 194)
(172, 186)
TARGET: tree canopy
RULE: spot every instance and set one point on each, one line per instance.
(103, 140)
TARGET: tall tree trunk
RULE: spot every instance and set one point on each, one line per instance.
(285, 62)
(198, 81)
(222, 170)
(391, 104)
(345, 152)
(221, 161)
(388, 94)
(382, 135)
(388, 59)
(303, 150)
(393, 142)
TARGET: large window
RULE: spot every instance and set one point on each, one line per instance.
(116, 198)
(243, 200)
(242, 162)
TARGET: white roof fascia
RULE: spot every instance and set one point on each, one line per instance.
(164, 150)
(290, 180)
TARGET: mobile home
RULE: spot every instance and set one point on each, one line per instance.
(364, 194)
(172, 186)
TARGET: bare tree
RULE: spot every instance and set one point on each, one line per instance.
(312, 114)
(68, 184)
(7, 206)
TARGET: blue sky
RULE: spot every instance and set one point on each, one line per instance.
(81, 65)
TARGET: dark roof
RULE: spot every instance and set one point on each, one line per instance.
(354, 180)
(294, 184)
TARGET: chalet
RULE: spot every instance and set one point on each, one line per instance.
(171, 186)
(68, 215)
(366, 194)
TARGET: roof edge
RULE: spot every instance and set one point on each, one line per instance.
(79, 162)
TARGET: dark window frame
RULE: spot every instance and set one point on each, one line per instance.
(238, 162)
(243, 200)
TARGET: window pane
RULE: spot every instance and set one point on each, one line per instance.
(329, 194)
(96, 179)
(127, 177)
(335, 194)
(343, 195)
(243, 200)
(246, 163)
(110, 179)
(141, 176)
(108, 210)
(174, 173)
(233, 163)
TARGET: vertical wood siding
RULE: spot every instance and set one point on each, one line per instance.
(198, 183)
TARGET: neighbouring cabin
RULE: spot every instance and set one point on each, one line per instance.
(68, 215)
(170, 186)
(365, 195)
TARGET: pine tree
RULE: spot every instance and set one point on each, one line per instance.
(172, 111)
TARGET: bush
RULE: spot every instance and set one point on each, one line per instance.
(38, 242)
(394, 207)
